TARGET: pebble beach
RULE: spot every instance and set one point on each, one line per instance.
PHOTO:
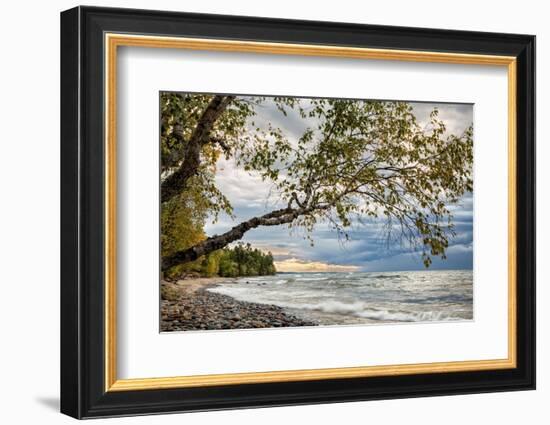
(187, 305)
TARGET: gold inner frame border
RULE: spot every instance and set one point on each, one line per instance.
(112, 41)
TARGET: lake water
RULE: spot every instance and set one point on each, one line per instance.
(355, 298)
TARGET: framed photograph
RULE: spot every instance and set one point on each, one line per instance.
(261, 212)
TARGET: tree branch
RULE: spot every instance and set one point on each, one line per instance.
(177, 181)
(225, 147)
(213, 243)
(274, 218)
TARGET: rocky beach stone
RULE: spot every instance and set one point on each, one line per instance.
(203, 310)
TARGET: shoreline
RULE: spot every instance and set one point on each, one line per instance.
(228, 303)
(195, 283)
(188, 305)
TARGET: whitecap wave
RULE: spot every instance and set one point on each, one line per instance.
(334, 298)
(361, 309)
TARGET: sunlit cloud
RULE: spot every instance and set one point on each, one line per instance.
(302, 266)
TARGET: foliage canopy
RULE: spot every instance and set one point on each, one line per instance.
(353, 160)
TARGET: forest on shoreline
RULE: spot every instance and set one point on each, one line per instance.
(240, 260)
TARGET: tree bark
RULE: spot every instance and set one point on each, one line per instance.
(213, 243)
(177, 181)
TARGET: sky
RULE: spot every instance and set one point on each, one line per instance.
(367, 249)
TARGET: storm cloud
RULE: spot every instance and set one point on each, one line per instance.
(368, 247)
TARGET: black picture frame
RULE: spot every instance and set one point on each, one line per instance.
(83, 392)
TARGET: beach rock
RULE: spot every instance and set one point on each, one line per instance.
(204, 310)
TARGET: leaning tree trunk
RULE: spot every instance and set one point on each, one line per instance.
(213, 243)
(177, 181)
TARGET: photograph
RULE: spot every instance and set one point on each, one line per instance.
(284, 211)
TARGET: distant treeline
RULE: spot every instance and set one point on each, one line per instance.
(240, 260)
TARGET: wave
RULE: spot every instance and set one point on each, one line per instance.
(421, 316)
(387, 276)
(361, 297)
(360, 309)
(311, 279)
